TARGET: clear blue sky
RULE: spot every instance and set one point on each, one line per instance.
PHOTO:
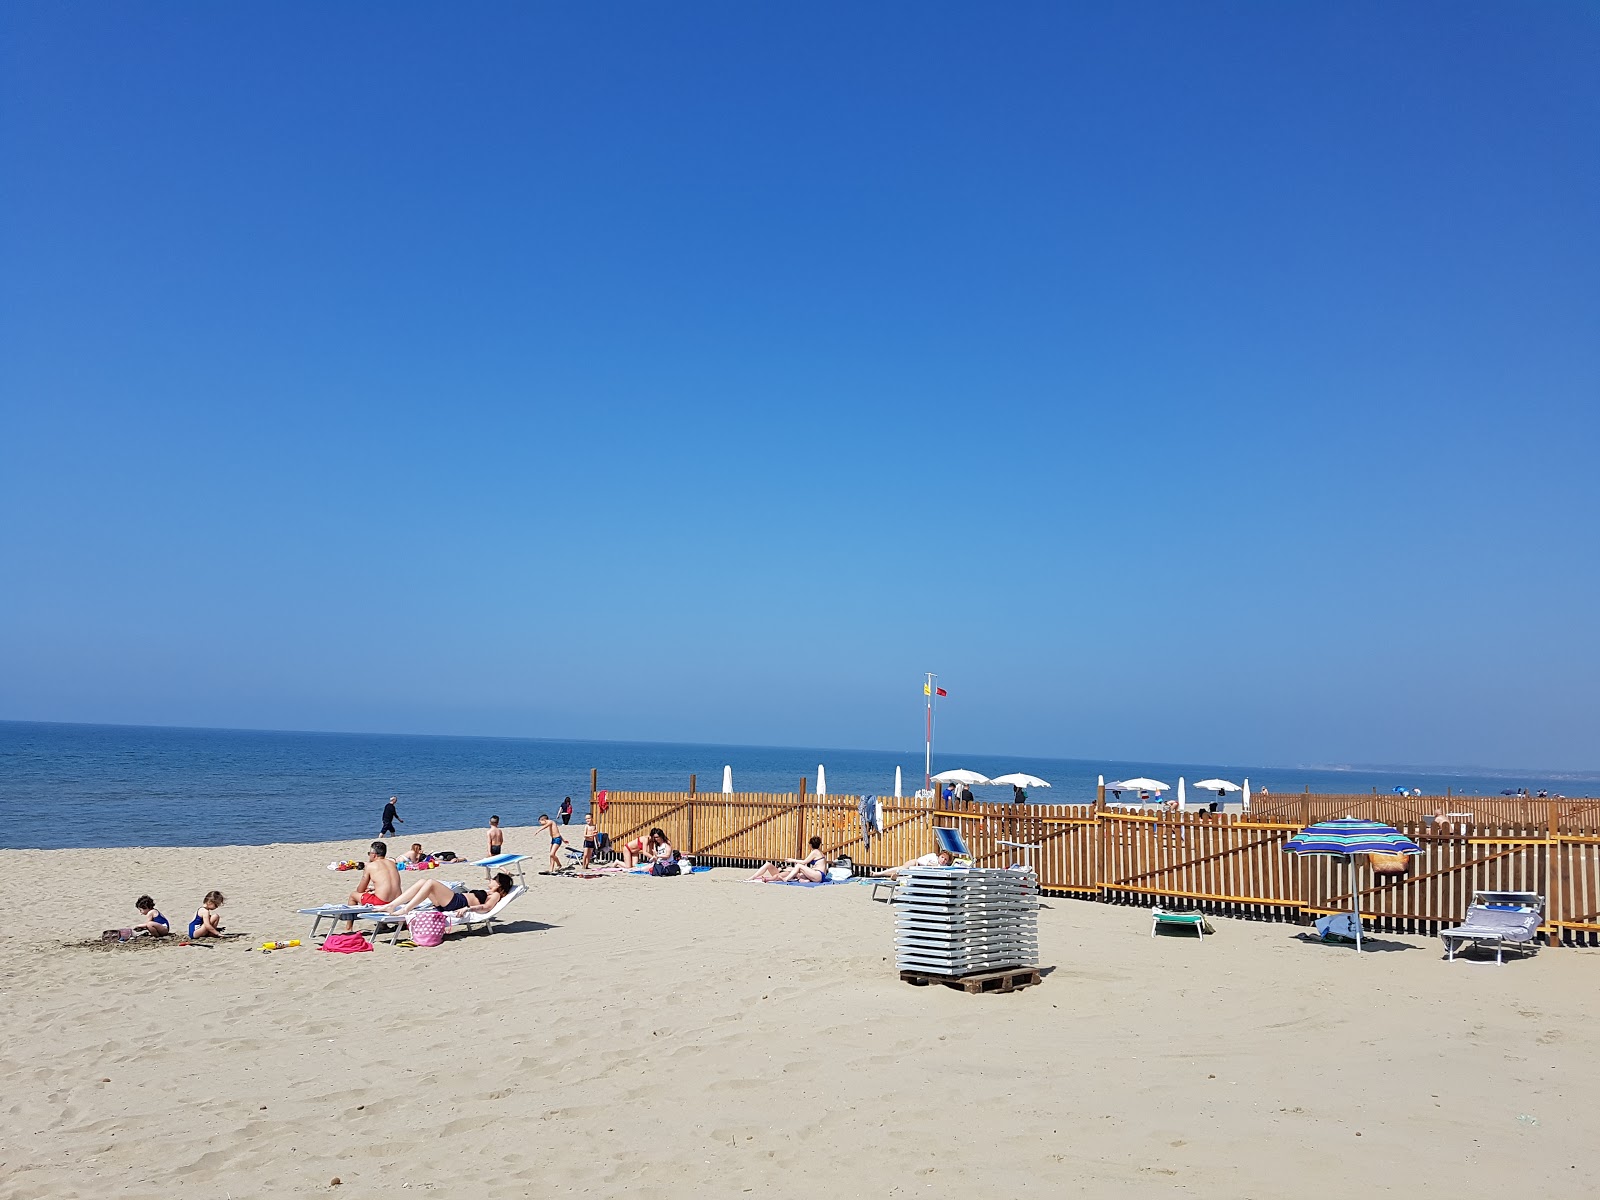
(1213, 382)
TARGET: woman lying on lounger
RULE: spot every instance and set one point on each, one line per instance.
(942, 858)
(813, 868)
(436, 893)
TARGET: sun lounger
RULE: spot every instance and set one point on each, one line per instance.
(1498, 919)
(467, 919)
(333, 914)
(1180, 920)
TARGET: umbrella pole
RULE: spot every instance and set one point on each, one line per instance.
(1355, 901)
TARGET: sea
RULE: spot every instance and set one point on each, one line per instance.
(65, 786)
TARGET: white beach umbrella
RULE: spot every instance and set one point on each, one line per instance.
(1216, 785)
(727, 780)
(1141, 784)
(970, 778)
(1182, 799)
(1018, 779)
(822, 782)
(1102, 781)
(897, 783)
(1247, 795)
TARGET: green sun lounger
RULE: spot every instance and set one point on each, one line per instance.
(1180, 920)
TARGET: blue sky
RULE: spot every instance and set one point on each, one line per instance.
(1214, 382)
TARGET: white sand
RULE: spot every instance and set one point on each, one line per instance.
(703, 1036)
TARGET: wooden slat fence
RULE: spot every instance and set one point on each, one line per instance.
(1230, 864)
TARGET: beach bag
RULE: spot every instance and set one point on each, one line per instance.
(666, 868)
(843, 868)
(346, 943)
(1389, 864)
(427, 927)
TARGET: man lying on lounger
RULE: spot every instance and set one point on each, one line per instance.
(940, 858)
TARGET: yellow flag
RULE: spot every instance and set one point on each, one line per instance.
(926, 691)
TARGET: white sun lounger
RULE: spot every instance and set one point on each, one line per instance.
(485, 920)
(333, 914)
(1498, 919)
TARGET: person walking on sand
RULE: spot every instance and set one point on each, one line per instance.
(566, 811)
(554, 830)
(497, 838)
(390, 816)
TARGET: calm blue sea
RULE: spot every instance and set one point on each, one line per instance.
(117, 785)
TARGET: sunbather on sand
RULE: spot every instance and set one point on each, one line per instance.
(205, 923)
(434, 892)
(941, 858)
(653, 846)
(813, 868)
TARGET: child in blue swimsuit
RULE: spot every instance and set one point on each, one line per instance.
(205, 923)
(556, 840)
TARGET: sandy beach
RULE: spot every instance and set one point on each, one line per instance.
(644, 1037)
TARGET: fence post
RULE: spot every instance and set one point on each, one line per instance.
(800, 822)
(1098, 861)
(594, 785)
(690, 848)
(1554, 861)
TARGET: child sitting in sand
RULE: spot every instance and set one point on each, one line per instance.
(813, 868)
(554, 830)
(205, 923)
(154, 923)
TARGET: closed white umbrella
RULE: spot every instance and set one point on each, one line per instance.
(1247, 795)
(1018, 779)
(1182, 799)
(727, 781)
(970, 778)
(897, 783)
(822, 782)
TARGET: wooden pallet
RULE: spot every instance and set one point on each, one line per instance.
(989, 981)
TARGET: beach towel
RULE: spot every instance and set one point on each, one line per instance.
(345, 943)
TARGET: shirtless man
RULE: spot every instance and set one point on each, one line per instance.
(380, 882)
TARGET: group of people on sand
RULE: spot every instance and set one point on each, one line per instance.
(379, 887)
(204, 923)
(813, 868)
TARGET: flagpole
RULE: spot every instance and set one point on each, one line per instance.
(927, 771)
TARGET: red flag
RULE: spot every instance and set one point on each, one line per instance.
(941, 692)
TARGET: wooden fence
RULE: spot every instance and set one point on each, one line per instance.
(1231, 864)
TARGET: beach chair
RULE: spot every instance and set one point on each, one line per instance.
(951, 840)
(1498, 919)
(485, 920)
(333, 914)
(1180, 921)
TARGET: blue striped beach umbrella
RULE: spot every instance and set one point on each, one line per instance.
(1348, 837)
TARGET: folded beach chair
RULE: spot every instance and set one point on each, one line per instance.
(1180, 920)
(1498, 919)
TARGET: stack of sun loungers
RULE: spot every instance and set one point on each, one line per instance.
(966, 922)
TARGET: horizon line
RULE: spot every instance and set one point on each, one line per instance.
(1429, 769)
